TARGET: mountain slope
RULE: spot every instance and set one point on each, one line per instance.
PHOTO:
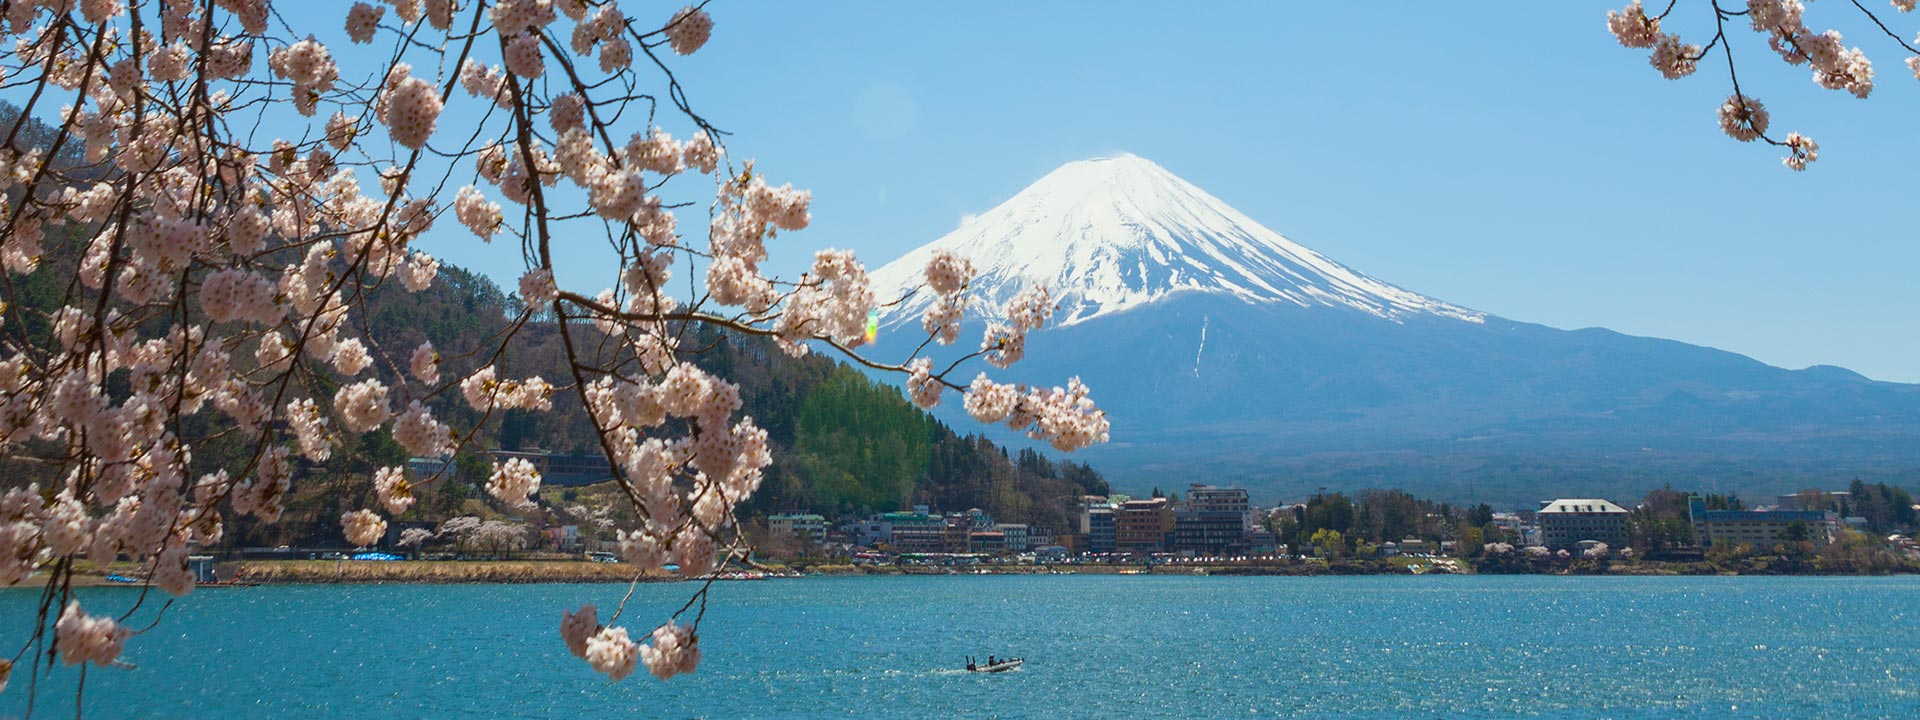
(1227, 353)
(1112, 234)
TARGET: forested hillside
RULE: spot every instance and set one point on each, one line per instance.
(841, 442)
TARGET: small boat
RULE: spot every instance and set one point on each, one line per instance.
(997, 666)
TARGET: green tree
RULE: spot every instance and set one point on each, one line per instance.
(1329, 543)
(861, 444)
(1481, 514)
(1471, 541)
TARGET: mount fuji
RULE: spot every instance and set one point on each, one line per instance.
(1225, 352)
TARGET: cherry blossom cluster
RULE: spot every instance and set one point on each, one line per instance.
(424, 364)
(514, 482)
(1633, 28)
(390, 485)
(689, 30)
(674, 648)
(83, 638)
(1030, 309)
(486, 392)
(1834, 65)
(475, 211)
(721, 462)
(1065, 418)
(537, 289)
(362, 21)
(363, 528)
(423, 436)
(922, 387)
(409, 107)
(222, 202)
(947, 277)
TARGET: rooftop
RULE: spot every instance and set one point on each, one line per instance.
(1581, 505)
(1812, 516)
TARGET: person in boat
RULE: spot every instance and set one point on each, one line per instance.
(991, 662)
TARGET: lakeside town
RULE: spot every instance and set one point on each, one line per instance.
(1203, 529)
(1219, 526)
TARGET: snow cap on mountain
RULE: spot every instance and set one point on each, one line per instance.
(1110, 234)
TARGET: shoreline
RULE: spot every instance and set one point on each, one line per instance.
(431, 572)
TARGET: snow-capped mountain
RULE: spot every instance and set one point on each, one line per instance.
(1223, 352)
(1111, 234)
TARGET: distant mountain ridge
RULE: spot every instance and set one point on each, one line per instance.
(1225, 352)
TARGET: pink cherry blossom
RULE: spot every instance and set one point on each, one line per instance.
(390, 484)
(1632, 27)
(689, 30)
(412, 107)
(82, 638)
(921, 386)
(362, 20)
(675, 649)
(1802, 150)
(1743, 118)
(537, 289)
(362, 406)
(222, 263)
(513, 482)
(610, 651)
(576, 627)
(1673, 58)
(425, 364)
(523, 57)
(363, 528)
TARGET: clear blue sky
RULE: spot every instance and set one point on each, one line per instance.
(1507, 156)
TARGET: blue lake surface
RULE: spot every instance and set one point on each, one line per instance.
(1096, 647)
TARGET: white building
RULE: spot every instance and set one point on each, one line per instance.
(809, 526)
(1759, 528)
(1017, 537)
(1565, 522)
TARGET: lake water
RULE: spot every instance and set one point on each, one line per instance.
(1096, 647)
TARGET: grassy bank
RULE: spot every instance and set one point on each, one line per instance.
(428, 572)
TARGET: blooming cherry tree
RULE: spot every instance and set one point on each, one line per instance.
(1834, 66)
(222, 194)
